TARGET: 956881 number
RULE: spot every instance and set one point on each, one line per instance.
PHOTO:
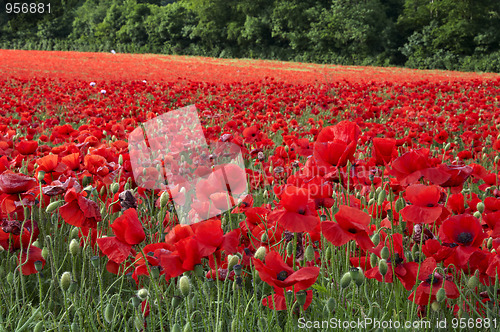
(27, 8)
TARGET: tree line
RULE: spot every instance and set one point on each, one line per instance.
(426, 34)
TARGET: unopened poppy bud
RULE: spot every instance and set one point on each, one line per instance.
(74, 247)
(400, 204)
(301, 297)
(489, 244)
(164, 199)
(232, 261)
(54, 205)
(382, 267)
(441, 295)
(176, 328)
(264, 238)
(384, 253)
(309, 253)
(497, 158)
(41, 176)
(345, 281)
(115, 187)
(10, 278)
(477, 215)
(109, 313)
(289, 248)
(357, 275)
(460, 312)
(73, 287)
(39, 327)
(435, 306)
(45, 252)
(330, 305)
(184, 286)
(38, 266)
(480, 207)
(328, 253)
(37, 244)
(75, 327)
(65, 281)
(86, 180)
(473, 282)
(371, 201)
(373, 260)
(381, 197)
(2, 249)
(187, 327)
(414, 250)
(447, 146)
(139, 323)
(136, 301)
(376, 239)
(142, 294)
(95, 261)
(120, 160)
(260, 253)
(176, 301)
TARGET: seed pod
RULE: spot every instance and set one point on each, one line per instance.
(473, 282)
(373, 260)
(38, 265)
(382, 267)
(41, 176)
(376, 239)
(301, 297)
(480, 207)
(109, 312)
(289, 248)
(65, 281)
(309, 253)
(357, 275)
(260, 253)
(384, 253)
(441, 295)
(345, 281)
(184, 286)
(381, 197)
(237, 269)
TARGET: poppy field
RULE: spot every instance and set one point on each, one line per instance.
(372, 202)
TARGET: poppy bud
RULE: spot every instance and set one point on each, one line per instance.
(373, 260)
(184, 286)
(75, 327)
(164, 199)
(139, 323)
(264, 238)
(41, 176)
(477, 215)
(460, 312)
(330, 305)
(260, 253)
(301, 297)
(86, 180)
(95, 261)
(142, 294)
(65, 281)
(473, 282)
(371, 202)
(435, 306)
(345, 281)
(36, 244)
(384, 253)
(362, 201)
(376, 239)
(414, 250)
(109, 313)
(114, 187)
(10, 278)
(54, 205)
(489, 244)
(409, 256)
(382, 267)
(2, 249)
(381, 197)
(357, 275)
(289, 248)
(136, 301)
(328, 253)
(441, 294)
(73, 287)
(480, 207)
(187, 327)
(497, 158)
(45, 252)
(176, 328)
(447, 146)
(232, 261)
(176, 300)
(38, 266)
(39, 327)
(74, 247)
(309, 253)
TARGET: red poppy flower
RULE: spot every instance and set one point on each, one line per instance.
(464, 234)
(13, 183)
(27, 147)
(384, 150)
(336, 144)
(352, 224)
(432, 281)
(277, 273)
(128, 228)
(415, 164)
(28, 258)
(425, 207)
(79, 211)
(298, 213)
(277, 301)
(458, 175)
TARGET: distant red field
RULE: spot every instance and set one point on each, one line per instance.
(129, 67)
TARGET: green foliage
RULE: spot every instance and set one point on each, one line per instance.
(448, 34)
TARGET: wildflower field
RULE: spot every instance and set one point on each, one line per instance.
(367, 198)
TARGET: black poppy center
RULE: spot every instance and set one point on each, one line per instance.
(430, 205)
(301, 211)
(352, 230)
(433, 278)
(397, 260)
(464, 238)
(282, 276)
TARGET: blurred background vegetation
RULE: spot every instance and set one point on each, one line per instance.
(430, 34)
